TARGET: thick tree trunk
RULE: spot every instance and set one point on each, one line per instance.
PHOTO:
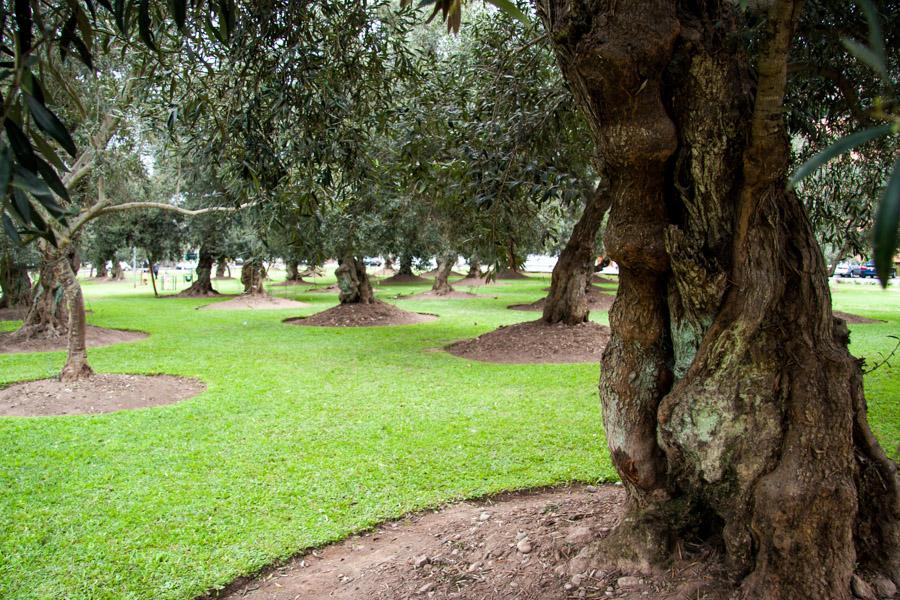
(102, 271)
(117, 273)
(222, 268)
(48, 315)
(15, 284)
(252, 276)
(474, 269)
(76, 366)
(388, 263)
(353, 281)
(202, 286)
(567, 300)
(405, 265)
(441, 284)
(293, 270)
(730, 402)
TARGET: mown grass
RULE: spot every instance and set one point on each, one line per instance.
(303, 436)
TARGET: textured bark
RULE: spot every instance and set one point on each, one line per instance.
(76, 366)
(48, 315)
(102, 271)
(252, 277)
(202, 286)
(153, 278)
(441, 284)
(474, 269)
(117, 273)
(405, 265)
(730, 402)
(223, 271)
(15, 284)
(353, 281)
(567, 301)
(388, 263)
(293, 270)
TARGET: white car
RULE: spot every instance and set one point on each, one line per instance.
(843, 269)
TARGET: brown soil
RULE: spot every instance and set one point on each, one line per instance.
(600, 279)
(511, 275)
(255, 302)
(99, 394)
(384, 273)
(190, 294)
(536, 342)
(473, 282)
(289, 283)
(96, 337)
(854, 319)
(403, 280)
(430, 295)
(12, 314)
(521, 546)
(325, 288)
(597, 301)
(362, 315)
(433, 273)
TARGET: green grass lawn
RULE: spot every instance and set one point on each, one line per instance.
(303, 436)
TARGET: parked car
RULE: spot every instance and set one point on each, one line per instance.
(868, 270)
(372, 262)
(844, 269)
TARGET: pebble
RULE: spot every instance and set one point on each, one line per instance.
(484, 516)
(592, 489)
(422, 561)
(579, 535)
(577, 579)
(628, 581)
(521, 536)
(524, 546)
(426, 588)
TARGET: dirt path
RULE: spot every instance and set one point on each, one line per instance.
(520, 546)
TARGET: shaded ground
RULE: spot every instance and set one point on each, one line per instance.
(433, 273)
(597, 301)
(601, 279)
(255, 302)
(854, 319)
(96, 336)
(512, 275)
(430, 295)
(520, 546)
(99, 394)
(362, 315)
(12, 314)
(190, 293)
(403, 280)
(322, 289)
(536, 342)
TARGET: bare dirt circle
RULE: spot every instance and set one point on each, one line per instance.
(377, 314)
(474, 282)
(98, 394)
(12, 314)
(96, 337)
(431, 295)
(255, 302)
(854, 319)
(403, 279)
(596, 299)
(536, 342)
(520, 545)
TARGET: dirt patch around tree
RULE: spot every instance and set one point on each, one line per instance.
(402, 279)
(431, 295)
(13, 314)
(255, 302)
(536, 342)
(323, 289)
(521, 545)
(190, 293)
(377, 314)
(96, 337)
(473, 282)
(597, 301)
(854, 319)
(509, 274)
(600, 279)
(433, 273)
(98, 394)
(290, 282)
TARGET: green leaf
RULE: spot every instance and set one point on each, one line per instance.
(887, 220)
(144, 24)
(841, 146)
(53, 180)
(5, 169)
(876, 37)
(47, 152)
(10, 229)
(866, 55)
(179, 12)
(20, 145)
(50, 124)
(510, 9)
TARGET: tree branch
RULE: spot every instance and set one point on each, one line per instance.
(172, 208)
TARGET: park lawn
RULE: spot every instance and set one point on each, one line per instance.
(303, 436)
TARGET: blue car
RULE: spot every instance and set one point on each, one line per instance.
(868, 270)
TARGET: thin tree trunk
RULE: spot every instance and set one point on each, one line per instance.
(153, 278)
(353, 281)
(730, 402)
(76, 366)
(567, 301)
(14, 283)
(441, 285)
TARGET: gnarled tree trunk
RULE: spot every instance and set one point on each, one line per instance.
(48, 315)
(293, 270)
(405, 265)
(730, 402)
(441, 284)
(15, 284)
(567, 301)
(202, 286)
(474, 269)
(222, 268)
(252, 276)
(76, 366)
(353, 281)
(117, 273)
(101, 270)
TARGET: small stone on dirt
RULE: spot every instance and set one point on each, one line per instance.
(861, 589)
(628, 582)
(579, 536)
(422, 561)
(524, 546)
(484, 516)
(577, 580)
(426, 588)
(592, 489)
